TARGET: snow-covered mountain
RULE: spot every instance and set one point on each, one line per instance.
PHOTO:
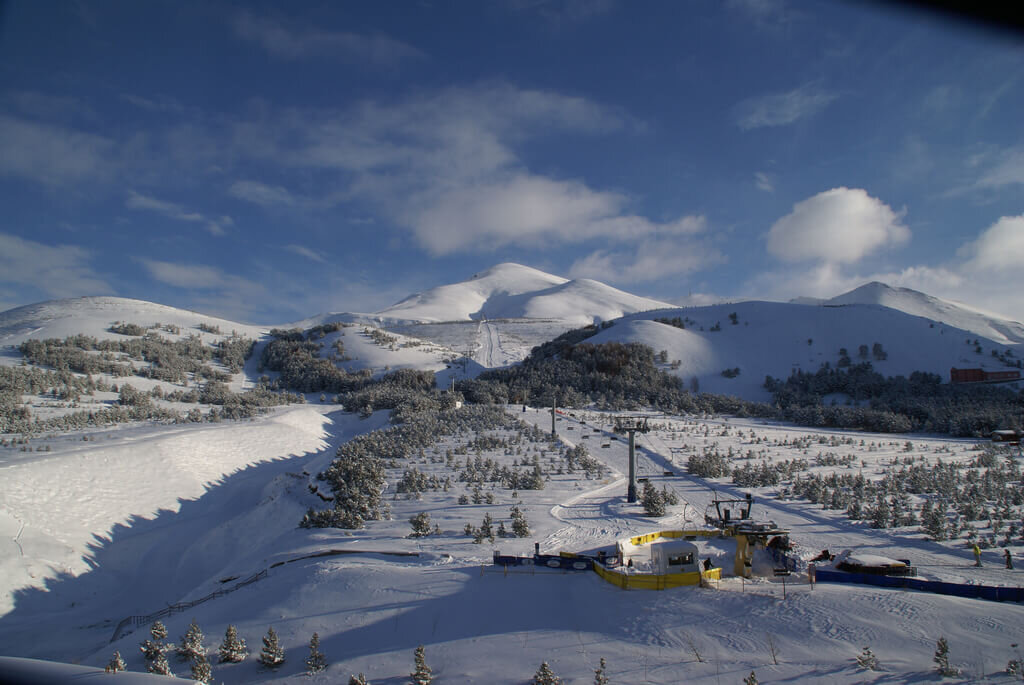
(514, 291)
(775, 338)
(991, 326)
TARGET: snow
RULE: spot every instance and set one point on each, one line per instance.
(776, 339)
(192, 529)
(513, 291)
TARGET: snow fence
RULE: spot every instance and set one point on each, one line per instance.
(990, 592)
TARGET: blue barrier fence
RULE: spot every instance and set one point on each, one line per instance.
(990, 592)
(546, 561)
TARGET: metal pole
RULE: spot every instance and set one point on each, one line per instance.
(631, 490)
(553, 433)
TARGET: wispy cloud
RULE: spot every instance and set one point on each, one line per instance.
(650, 260)
(216, 226)
(262, 194)
(56, 270)
(306, 252)
(160, 103)
(764, 182)
(558, 13)
(54, 155)
(781, 109)
(301, 42)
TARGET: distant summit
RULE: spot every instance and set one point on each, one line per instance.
(915, 303)
(514, 291)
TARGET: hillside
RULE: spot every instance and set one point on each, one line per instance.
(916, 303)
(771, 338)
(513, 291)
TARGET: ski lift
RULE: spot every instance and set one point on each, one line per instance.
(722, 512)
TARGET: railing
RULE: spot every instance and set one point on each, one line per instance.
(182, 606)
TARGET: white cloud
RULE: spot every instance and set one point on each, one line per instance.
(999, 248)
(841, 225)
(293, 42)
(780, 109)
(53, 155)
(306, 252)
(261, 193)
(171, 210)
(764, 182)
(57, 270)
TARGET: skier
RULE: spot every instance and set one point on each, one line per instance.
(1009, 559)
(977, 554)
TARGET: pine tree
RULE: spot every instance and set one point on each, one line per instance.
(867, 660)
(545, 676)
(652, 501)
(358, 680)
(232, 649)
(272, 654)
(750, 679)
(159, 665)
(153, 649)
(520, 526)
(941, 659)
(422, 674)
(201, 670)
(116, 664)
(599, 677)
(316, 661)
(191, 644)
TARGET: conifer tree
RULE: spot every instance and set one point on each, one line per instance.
(316, 661)
(867, 660)
(599, 677)
(358, 680)
(545, 676)
(191, 644)
(941, 659)
(750, 679)
(159, 665)
(520, 526)
(272, 654)
(232, 649)
(116, 664)
(153, 649)
(422, 674)
(201, 671)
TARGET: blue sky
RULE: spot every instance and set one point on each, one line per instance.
(266, 162)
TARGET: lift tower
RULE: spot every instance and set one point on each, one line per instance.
(632, 425)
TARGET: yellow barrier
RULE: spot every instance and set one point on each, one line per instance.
(647, 581)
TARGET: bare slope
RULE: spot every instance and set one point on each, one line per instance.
(513, 291)
(772, 338)
(979, 322)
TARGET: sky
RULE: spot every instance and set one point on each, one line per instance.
(269, 161)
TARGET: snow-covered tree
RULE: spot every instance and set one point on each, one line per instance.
(358, 680)
(232, 649)
(153, 649)
(272, 654)
(750, 679)
(116, 664)
(867, 660)
(652, 500)
(191, 644)
(158, 665)
(599, 676)
(201, 671)
(545, 676)
(420, 524)
(520, 526)
(422, 674)
(941, 660)
(316, 661)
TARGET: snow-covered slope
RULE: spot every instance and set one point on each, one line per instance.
(94, 316)
(513, 291)
(979, 322)
(773, 338)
